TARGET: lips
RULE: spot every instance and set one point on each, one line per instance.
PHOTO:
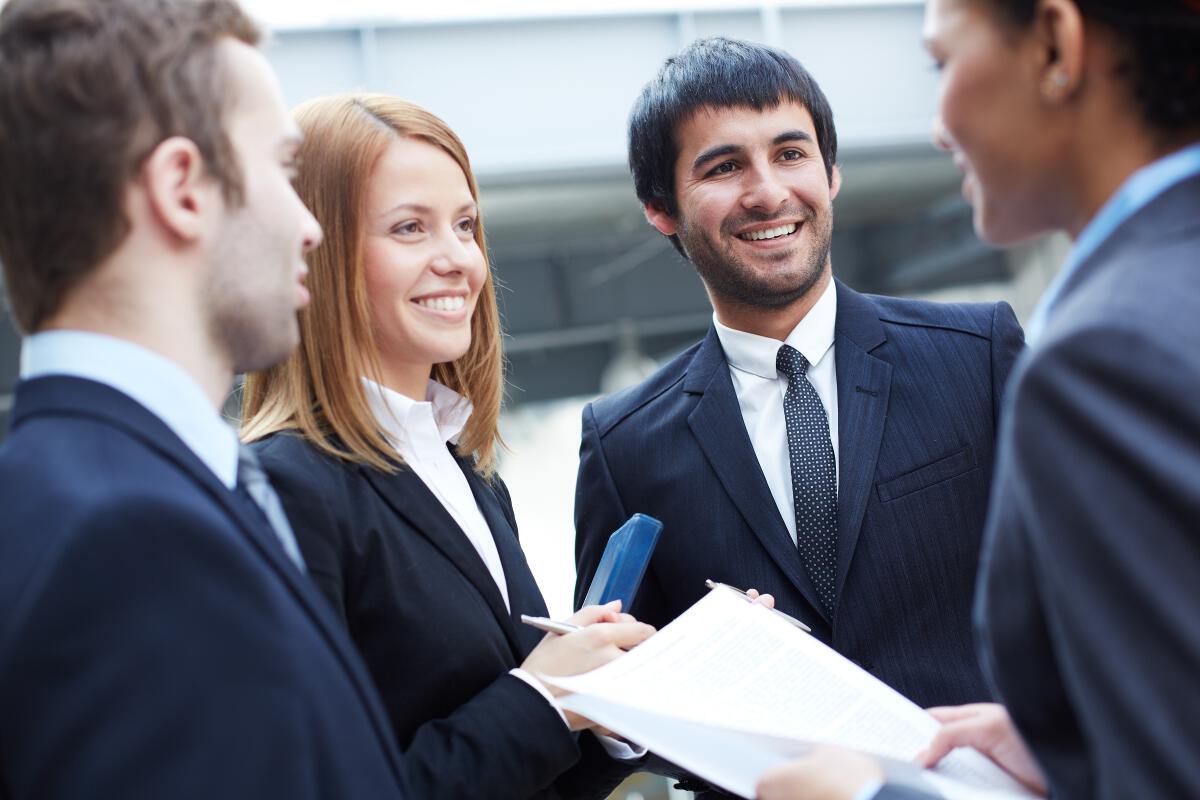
(968, 187)
(303, 297)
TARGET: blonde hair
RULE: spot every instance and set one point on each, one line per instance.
(317, 391)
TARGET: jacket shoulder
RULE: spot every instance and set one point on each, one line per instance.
(974, 319)
(608, 411)
(290, 458)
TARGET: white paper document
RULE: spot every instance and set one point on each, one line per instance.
(729, 689)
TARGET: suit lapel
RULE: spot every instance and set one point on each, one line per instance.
(524, 596)
(80, 397)
(863, 383)
(717, 424)
(411, 499)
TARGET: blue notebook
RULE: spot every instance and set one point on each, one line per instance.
(624, 562)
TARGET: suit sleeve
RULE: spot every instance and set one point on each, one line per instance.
(181, 683)
(599, 509)
(1008, 340)
(1107, 450)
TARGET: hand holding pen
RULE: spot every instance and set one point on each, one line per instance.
(584, 645)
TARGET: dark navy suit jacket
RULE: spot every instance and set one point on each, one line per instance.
(432, 626)
(1090, 591)
(155, 641)
(919, 387)
(1090, 585)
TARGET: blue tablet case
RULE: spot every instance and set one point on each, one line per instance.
(624, 562)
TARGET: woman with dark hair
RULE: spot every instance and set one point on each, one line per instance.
(1081, 116)
(379, 434)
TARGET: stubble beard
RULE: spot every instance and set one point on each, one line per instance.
(728, 277)
(251, 310)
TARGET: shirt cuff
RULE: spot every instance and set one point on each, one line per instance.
(616, 748)
(869, 791)
(619, 749)
(541, 689)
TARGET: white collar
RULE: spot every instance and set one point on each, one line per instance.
(812, 336)
(396, 413)
(159, 384)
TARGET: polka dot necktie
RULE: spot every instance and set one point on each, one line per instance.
(814, 474)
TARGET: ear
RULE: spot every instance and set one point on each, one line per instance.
(659, 218)
(835, 183)
(180, 192)
(1059, 30)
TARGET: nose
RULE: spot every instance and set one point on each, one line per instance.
(764, 189)
(941, 137)
(311, 232)
(453, 253)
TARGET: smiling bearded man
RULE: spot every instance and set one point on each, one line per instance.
(829, 447)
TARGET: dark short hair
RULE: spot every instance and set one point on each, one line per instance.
(720, 73)
(1162, 53)
(88, 89)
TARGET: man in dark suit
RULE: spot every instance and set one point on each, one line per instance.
(831, 448)
(158, 636)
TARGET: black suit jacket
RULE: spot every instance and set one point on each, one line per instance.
(433, 629)
(155, 641)
(919, 388)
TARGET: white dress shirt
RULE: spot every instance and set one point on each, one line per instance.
(760, 389)
(154, 381)
(420, 433)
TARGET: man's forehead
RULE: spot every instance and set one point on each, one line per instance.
(255, 98)
(715, 121)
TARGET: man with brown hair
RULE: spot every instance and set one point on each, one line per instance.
(158, 635)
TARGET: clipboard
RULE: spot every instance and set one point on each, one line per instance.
(624, 562)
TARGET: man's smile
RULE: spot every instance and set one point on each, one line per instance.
(769, 233)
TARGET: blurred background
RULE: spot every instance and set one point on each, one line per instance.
(592, 297)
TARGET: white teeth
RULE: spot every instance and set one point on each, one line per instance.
(442, 303)
(769, 233)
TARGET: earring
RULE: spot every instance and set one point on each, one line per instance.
(1055, 84)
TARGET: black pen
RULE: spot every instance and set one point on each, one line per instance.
(743, 593)
(549, 625)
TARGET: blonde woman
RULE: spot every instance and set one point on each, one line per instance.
(379, 435)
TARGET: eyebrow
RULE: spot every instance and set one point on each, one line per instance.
(424, 209)
(720, 150)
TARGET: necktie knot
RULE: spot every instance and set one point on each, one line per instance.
(791, 362)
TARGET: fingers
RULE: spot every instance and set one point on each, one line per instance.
(622, 634)
(970, 725)
(968, 732)
(952, 713)
(589, 615)
(826, 773)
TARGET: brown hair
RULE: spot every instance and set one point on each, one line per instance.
(317, 391)
(88, 89)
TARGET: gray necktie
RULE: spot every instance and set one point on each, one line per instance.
(814, 475)
(252, 478)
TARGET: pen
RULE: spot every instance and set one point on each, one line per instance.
(549, 625)
(793, 620)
